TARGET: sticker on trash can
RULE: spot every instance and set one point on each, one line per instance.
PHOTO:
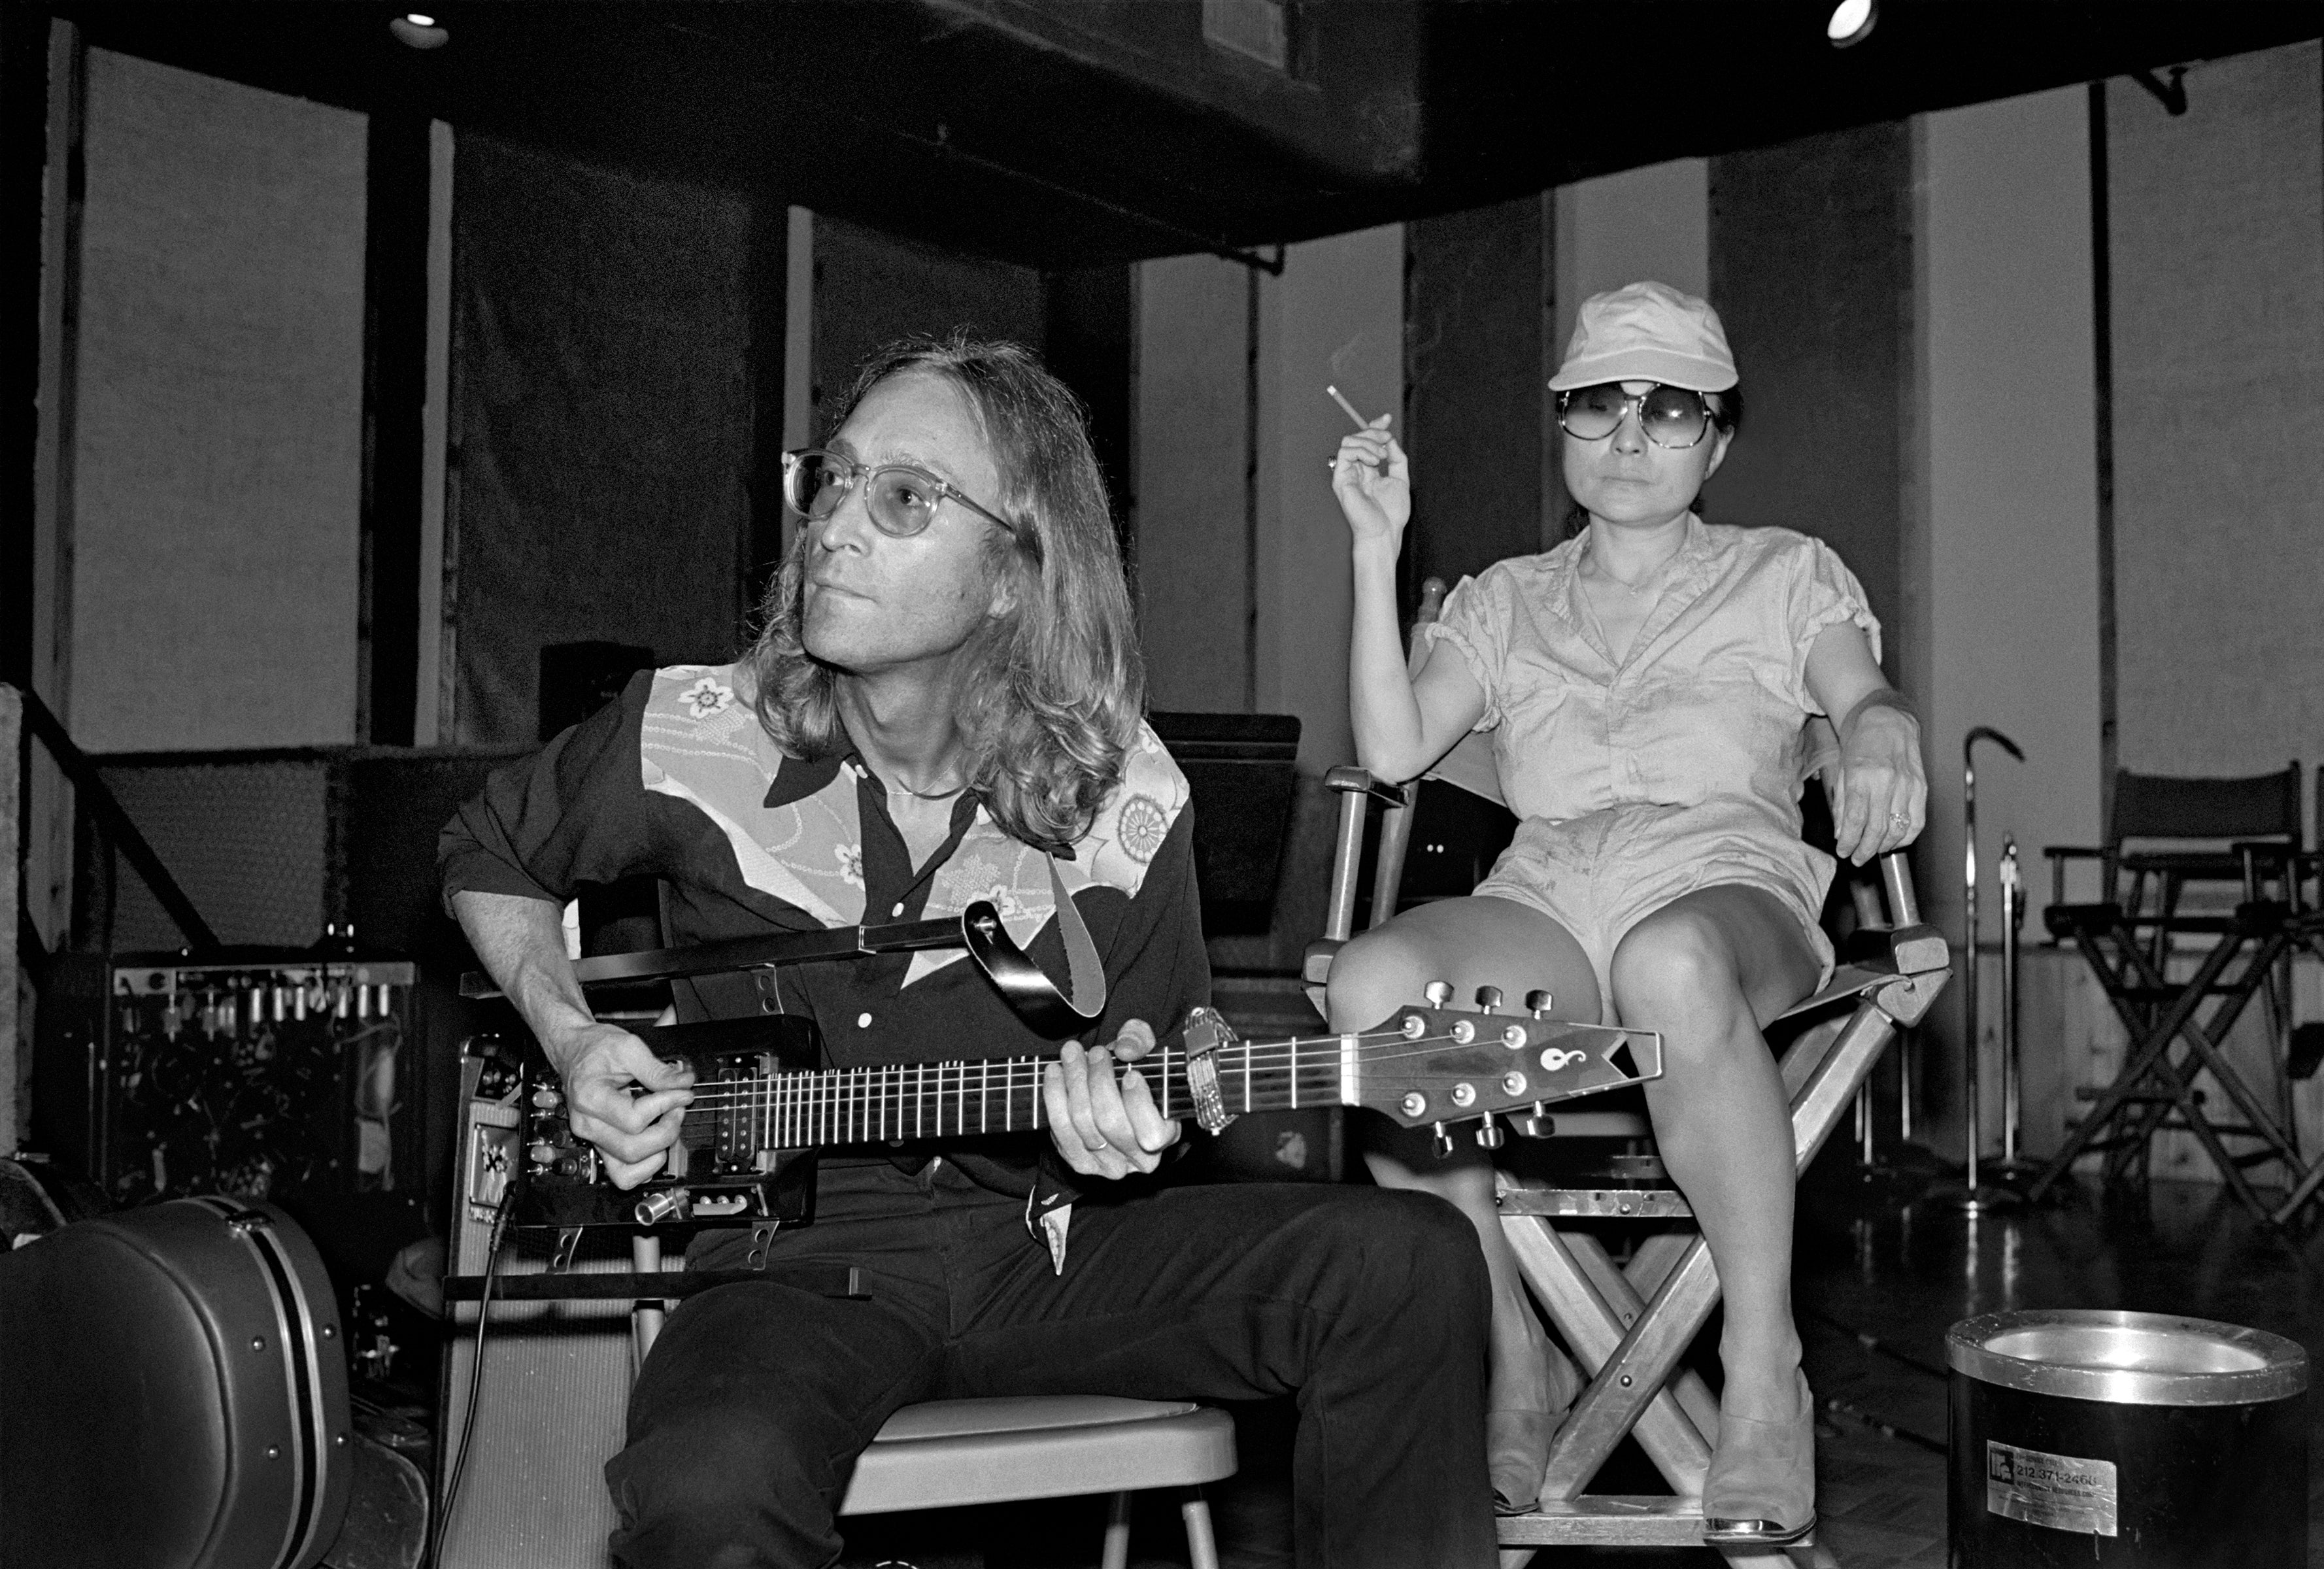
(2057, 1491)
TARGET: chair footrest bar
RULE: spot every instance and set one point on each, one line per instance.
(1628, 1204)
(1611, 1520)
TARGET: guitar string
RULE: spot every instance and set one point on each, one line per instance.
(820, 1089)
(1265, 1056)
(902, 1078)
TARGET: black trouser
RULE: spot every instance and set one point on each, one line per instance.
(1368, 1305)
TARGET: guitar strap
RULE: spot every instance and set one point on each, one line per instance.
(1037, 999)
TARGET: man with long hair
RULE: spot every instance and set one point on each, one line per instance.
(945, 705)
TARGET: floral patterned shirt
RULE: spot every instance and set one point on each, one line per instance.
(678, 781)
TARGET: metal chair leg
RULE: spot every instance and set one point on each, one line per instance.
(1202, 1546)
(1116, 1532)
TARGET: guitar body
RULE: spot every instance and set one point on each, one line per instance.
(718, 1174)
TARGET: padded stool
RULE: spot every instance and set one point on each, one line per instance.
(943, 1453)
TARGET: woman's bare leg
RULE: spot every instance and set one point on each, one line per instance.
(1707, 970)
(1469, 943)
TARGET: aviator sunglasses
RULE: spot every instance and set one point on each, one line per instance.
(1671, 416)
(900, 499)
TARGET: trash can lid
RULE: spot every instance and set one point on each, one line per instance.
(2138, 1359)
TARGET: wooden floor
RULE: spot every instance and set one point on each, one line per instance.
(1871, 1266)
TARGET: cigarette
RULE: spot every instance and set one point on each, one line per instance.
(1361, 423)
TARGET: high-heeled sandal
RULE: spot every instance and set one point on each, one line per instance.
(1761, 1488)
(1516, 1442)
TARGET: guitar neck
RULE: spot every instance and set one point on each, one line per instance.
(966, 1099)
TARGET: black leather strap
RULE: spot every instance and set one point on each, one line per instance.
(1037, 999)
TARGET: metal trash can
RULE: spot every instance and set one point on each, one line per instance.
(2113, 1438)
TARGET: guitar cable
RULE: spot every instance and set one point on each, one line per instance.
(475, 1382)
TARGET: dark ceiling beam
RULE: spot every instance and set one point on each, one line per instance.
(1071, 133)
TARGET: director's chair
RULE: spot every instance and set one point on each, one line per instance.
(2164, 835)
(1628, 1324)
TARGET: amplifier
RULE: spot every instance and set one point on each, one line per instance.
(552, 1395)
(254, 1073)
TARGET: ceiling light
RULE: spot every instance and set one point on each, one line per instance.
(1852, 22)
(419, 31)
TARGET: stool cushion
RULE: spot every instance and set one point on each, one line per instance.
(946, 1453)
(1021, 1413)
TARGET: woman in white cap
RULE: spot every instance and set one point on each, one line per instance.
(1645, 685)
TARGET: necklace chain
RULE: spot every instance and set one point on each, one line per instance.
(929, 795)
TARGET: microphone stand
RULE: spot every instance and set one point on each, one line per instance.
(1969, 1195)
(2014, 1167)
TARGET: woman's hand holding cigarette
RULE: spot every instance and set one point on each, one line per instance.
(1373, 484)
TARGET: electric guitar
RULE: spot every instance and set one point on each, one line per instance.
(762, 1106)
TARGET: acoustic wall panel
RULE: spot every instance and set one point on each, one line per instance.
(2216, 225)
(602, 423)
(1812, 272)
(218, 408)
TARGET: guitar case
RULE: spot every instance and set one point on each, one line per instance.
(173, 1393)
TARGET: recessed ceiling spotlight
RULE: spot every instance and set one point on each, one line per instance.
(419, 31)
(1852, 22)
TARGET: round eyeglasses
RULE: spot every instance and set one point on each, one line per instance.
(1671, 416)
(900, 499)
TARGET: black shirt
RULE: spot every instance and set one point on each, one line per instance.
(678, 781)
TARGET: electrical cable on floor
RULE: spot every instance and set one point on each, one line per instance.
(1879, 1347)
(1873, 1344)
(1885, 1428)
(475, 1382)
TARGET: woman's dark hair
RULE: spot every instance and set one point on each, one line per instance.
(1726, 407)
(1047, 721)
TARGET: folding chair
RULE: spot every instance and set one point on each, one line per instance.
(2166, 836)
(1629, 1325)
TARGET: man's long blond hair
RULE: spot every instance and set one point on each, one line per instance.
(1047, 720)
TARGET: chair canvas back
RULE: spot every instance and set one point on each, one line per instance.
(2262, 806)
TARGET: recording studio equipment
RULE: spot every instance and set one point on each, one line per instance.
(1241, 769)
(532, 1422)
(175, 1380)
(252, 1072)
(1970, 1196)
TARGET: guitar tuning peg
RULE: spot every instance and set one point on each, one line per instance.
(1438, 993)
(1537, 1125)
(1489, 1133)
(1489, 998)
(1440, 1140)
(1537, 1002)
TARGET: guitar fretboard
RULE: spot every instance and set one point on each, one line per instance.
(964, 1099)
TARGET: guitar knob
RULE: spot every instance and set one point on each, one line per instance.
(670, 1204)
(1538, 1124)
(1489, 998)
(1440, 1140)
(1489, 1133)
(1538, 1002)
(1438, 993)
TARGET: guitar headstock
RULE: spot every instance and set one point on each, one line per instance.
(1430, 1066)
